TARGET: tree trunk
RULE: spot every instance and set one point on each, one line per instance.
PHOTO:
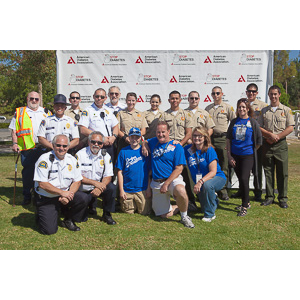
(40, 91)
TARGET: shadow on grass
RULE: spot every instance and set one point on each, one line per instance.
(26, 220)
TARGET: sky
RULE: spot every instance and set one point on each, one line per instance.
(294, 54)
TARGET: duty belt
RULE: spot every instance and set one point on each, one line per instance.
(219, 134)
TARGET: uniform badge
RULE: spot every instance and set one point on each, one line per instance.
(84, 113)
(182, 118)
(43, 165)
(107, 112)
(70, 167)
(189, 115)
(201, 116)
(232, 109)
(282, 114)
(101, 162)
(68, 125)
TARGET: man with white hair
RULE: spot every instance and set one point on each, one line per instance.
(24, 127)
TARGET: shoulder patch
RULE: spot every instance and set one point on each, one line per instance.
(75, 123)
(43, 123)
(84, 113)
(76, 156)
(43, 165)
(232, 109)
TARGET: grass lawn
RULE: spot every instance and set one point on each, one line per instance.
(263, 228)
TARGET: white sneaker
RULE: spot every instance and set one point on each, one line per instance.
(187, 222)
(208, 219)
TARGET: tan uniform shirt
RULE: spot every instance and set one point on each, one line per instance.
(178, 123)
(71, 113)
(222, 115)
(277, 121)
(201, 118)
(152, 120)
(257, 106)
(127, 120)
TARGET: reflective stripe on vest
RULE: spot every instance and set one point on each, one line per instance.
(24, 130)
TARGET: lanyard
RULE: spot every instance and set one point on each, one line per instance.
(198, 162)
(164, 148)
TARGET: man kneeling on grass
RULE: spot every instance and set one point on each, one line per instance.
(133, 176)
(167, 161)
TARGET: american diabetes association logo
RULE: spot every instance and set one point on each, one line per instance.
(148, 59)
(182, 79)
(79, 59)
(250, 78)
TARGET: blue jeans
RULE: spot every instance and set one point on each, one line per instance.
(207, 196)
(28, 160)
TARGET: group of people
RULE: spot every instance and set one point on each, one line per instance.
(113, 151)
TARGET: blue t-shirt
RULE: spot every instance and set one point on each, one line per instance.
(135, 168)
(198, 162)
(242, 137)
(165, 157)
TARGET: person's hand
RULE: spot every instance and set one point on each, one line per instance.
(67, 194)
(197, 187)
(101, 186)
(123, 195)
(175, 142)
(63, 200)
(95, 192)
(16, 148)
(127, 140)
(145, 149)
(164, 188)
(231, 161)
(148, 192)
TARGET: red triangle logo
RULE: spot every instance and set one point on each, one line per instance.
(173, 79)
(207, 60)
(140, 99)
(104, 80)
(139, 61)
(207, 99)
(71, 60)
(241, 79)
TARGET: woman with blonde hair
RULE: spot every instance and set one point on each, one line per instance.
(206, 172)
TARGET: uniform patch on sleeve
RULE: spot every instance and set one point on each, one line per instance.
(43, 123)
(75, 123)
(84, 113)
(43, 165)
(232, 109)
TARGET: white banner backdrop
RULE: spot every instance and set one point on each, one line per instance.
(160, 72)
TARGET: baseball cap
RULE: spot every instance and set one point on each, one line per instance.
(134, 131)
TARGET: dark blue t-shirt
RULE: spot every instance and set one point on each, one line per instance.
(198, 162)
(242, 137)
(165, 157)
(135, 168)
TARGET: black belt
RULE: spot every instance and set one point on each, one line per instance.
(160, 180)
(219, 134)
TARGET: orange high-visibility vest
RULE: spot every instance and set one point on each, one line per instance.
(24, 129)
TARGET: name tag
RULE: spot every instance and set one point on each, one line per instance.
(198, 177)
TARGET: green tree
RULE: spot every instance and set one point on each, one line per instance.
(23, 71)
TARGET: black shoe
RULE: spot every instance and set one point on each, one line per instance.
(26, 201)
(92, 211)
(267, 202)
(238, 194)
(257, 196)
(108, 219)
(69, 224)
(192, 207)
(283, 205)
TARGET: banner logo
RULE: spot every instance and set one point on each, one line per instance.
(139, 61)
(207, 61)
(104, 80)
(241, 79)
(140, 99)
(71, 61)
(207, 99)
(173, 80)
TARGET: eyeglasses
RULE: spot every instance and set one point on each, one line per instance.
(73, 98)
(117, 94)
(96, 142)
(194, 98)
(59, 145)
(36, 99)
(200, 136)
(98, 96)
(216, 93)
(251, 91)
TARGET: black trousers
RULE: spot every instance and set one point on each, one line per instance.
(244, 165)
(48, 210)
(108, 197)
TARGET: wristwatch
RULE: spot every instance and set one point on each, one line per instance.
(115, 135)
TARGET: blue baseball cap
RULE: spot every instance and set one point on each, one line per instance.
(134, 131)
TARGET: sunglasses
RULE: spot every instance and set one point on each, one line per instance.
(117, 94)
(73, 98)
(36, 99)
(60, 145)
(251, 91)
(216, 93)
(96, 142)
(98, 96)
(194, 98)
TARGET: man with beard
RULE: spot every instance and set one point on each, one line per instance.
(97, 171)
(24, 126)
(115, 105)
